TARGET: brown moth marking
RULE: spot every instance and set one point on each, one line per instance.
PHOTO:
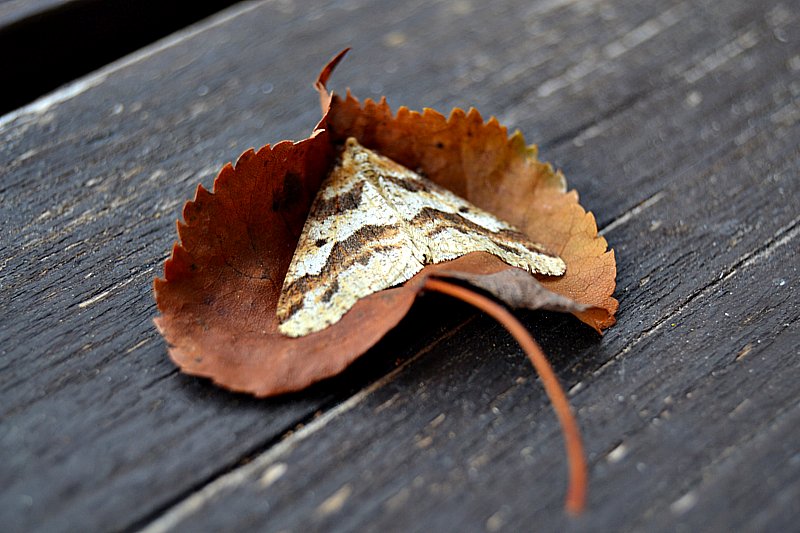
(373, 225)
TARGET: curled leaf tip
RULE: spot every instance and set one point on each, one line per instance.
(322, 80)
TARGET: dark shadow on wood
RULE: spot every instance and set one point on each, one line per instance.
(428, 321)
(48, 49)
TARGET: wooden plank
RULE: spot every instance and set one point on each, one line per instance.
(661, 422)
(687, 423)
(103, 439)
(705, 460)
(98, 430)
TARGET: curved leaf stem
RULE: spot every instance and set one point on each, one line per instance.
(576, 492)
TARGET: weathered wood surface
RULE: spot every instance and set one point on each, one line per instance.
(677, 122)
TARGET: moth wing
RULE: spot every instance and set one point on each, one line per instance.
(446, 226)
(352, 245)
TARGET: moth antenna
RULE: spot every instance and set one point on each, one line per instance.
(578, 485)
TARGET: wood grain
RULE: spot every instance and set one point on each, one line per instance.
(678, 124)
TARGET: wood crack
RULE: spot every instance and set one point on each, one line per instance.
(782, 236)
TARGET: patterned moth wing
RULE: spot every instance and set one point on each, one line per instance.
(373, 225)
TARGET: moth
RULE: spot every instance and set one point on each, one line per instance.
(374, 224)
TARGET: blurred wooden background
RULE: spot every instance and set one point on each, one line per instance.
(678, 123)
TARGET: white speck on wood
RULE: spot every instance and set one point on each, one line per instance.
(100, 296)
(684, 503)
(617, 454)
(334, 502)
(138, 344)
(94, 299)
(436, 422)
(397, 501)
(498, 519)
(272, 474)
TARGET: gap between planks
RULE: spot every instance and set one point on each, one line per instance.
(176, 513)
(783, 236)
(43, 104)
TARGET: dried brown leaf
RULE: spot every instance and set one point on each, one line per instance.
(221, 284)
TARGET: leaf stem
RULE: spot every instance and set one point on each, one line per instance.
(576, 492)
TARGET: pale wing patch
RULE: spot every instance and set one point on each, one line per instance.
(373, 225)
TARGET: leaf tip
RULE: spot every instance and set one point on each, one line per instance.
(321, 85)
